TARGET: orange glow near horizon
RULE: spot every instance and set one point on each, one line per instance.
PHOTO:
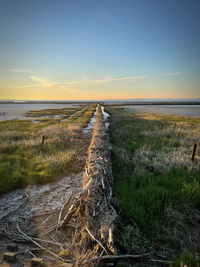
(94, 93)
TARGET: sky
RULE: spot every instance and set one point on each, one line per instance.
(108, 49)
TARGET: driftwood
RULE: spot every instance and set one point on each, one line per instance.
(115, 257)
(97, 262)
(92, 208)
(96, 240)
(40, 246)
(110, 239)
(46, 219)
(34, 256)
(51, 229)
(46, 241)
(161, 261)
(60, 214)
(82, 195)
(69, 215)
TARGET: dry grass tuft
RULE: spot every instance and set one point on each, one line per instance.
(182, 132)
(163, 161)
(185, 227)
(59, 161)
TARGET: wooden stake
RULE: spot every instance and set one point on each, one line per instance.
(194, 152)
(42, 145)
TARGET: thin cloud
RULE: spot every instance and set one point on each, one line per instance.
(38, 79)
(57, 85)
(172, 74)
(109, 79)
(21, 71)
(43, 82)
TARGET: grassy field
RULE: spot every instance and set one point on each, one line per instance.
(64, 147)
(157, 184)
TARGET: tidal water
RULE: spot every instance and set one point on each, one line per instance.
(18, 111)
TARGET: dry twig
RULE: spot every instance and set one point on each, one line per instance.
(60, 214)
(91, 235)
(40, 246)
(114, 257)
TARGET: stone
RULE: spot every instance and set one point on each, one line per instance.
(9, 256)
(12, 247)
(37, 262)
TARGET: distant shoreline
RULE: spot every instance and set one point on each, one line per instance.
(154, 103)
(110, 102)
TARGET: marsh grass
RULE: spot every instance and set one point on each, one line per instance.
(63, 152)
(186, 259)
(155, 180)
(53, 112)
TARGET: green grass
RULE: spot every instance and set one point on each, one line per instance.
(20, 142)
(157, 184)
(186, 259)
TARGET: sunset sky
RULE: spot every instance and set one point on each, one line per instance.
(69, 49)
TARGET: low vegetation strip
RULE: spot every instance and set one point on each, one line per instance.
(64, 112)
(22, 161)
(157, 184)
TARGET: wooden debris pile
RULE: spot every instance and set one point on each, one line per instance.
(92, 210)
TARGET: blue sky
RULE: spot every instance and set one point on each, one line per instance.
(99, 49)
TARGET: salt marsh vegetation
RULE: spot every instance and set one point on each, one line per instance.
(21, 161)
(156, 182)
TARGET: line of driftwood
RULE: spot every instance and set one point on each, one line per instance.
(92, 209)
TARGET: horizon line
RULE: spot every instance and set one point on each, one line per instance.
(107, 99)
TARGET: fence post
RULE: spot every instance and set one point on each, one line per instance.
(194, 152)
(42, 145)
